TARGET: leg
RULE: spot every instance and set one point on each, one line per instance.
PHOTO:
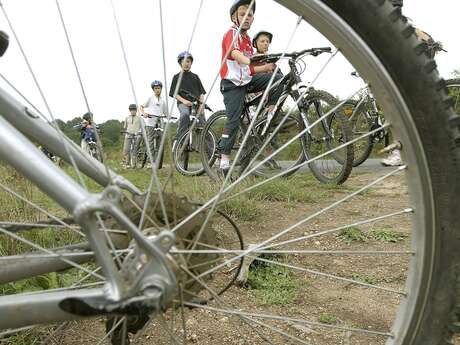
(126, 150)
(234, 103)
(184, 120)
(260, 82)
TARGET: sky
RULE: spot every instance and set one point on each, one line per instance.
(99, 57)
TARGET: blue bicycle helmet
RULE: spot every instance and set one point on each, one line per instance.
(156, 83)
(183, 55)
(238, 3)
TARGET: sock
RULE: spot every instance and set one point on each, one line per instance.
(224, 161)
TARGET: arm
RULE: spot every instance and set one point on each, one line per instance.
(183, 101)
(242, 59)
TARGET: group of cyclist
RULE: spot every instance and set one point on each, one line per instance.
(239, 76)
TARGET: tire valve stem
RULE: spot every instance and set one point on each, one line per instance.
(394, 146)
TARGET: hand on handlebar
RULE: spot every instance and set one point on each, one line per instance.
(187, 103)
(270, 67)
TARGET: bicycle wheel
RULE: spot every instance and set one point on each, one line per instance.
(156, 154)
(335, 164)
(361, 124)
(453, 88)
(187, 155)
(141, 154)
(321, 273)
(210, 157)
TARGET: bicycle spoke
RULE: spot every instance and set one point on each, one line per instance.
(37, 84)
(288, 319)
(115, 326)
(331, 276)
(107, 170)
(321, 233)
(12, 192)
(33, 245)
(155, 179)
(348, 143)
(314, 215)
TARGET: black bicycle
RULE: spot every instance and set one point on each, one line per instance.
(308, 128)
(186, 151)
(132, 160)
(365, 116)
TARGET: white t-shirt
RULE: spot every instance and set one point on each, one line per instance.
(154, 106)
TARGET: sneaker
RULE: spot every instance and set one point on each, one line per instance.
(393, 159)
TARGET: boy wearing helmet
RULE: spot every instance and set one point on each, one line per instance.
(132, 126)
(190, 86)
(155, 106)
(239, 76)
(262, 41)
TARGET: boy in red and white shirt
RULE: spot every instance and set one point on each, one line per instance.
(240, 77)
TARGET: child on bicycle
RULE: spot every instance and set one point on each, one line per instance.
(152, 110)
(190, 86)
(87, 132)
(239, 76)
(132, 128)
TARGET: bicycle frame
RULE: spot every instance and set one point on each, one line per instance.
(16, 124)
(289, 83)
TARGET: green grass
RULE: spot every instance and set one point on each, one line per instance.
(355, 234)
(272, 284)
(327, 319)
(363, 278)
(384, 235)
(352, 235)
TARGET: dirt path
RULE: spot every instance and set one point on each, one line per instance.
(327, 302)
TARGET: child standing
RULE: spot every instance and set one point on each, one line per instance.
(156, 107)
(190, 87)
(132, 127)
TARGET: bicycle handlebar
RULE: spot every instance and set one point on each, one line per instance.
(294, 55)
(194, 99)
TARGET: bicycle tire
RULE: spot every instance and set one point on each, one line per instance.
(336, 167)
(434, 307)
(182, 161)
(360, 123)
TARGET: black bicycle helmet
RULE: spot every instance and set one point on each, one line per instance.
(238, 3)
(88, 116)
(260, 33)
(183, 55)
(132, 107)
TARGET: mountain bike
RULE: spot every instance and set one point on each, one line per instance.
(155, 141)
(143, 258)
(307, 123)
(365, 117)
(186, 151)
(133, 160)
